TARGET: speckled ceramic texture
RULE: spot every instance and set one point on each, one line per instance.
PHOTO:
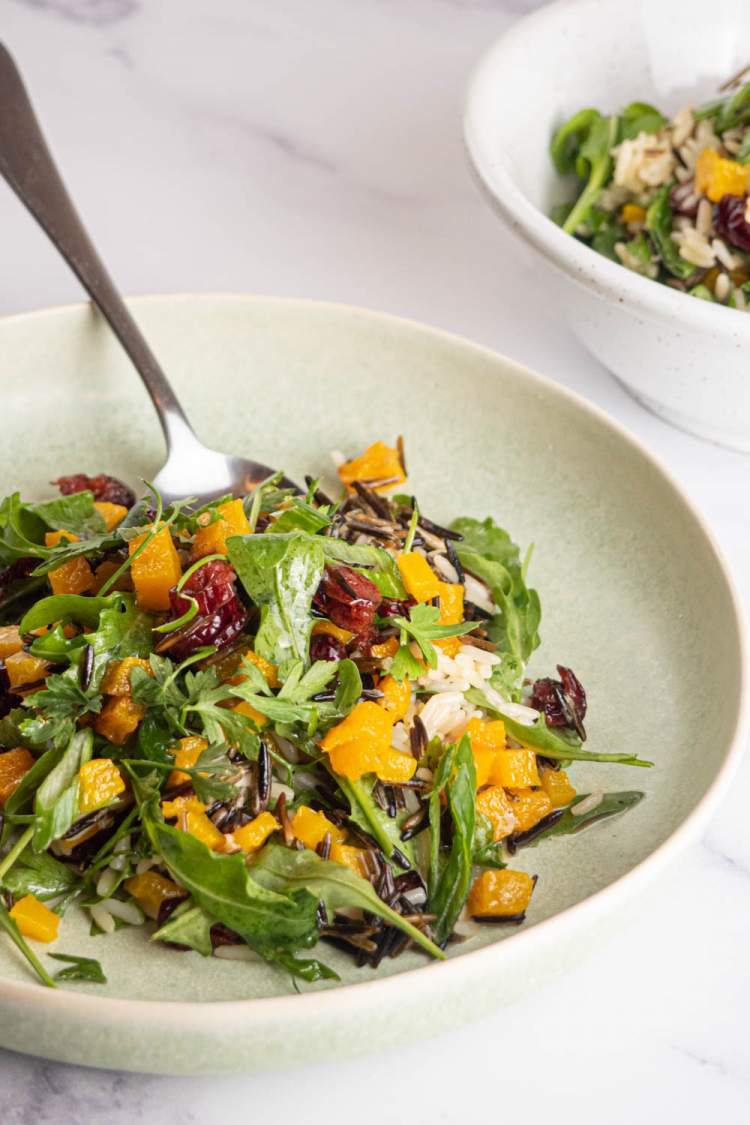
(684, 359)
(634, 596)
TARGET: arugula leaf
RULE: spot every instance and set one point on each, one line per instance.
(79, 968)
(300, 516)
(123, 629)
(593, 164)
(449, 882)
(287, 871)
(281, 574)
(41, 875)
(9, 925)
(21, 532)
(75, 513)
(489, 553)
(374, 562)
(368, 815)
(83, 608)
(188, 925)
(659, 219)
(56, 803)
(567, 140)
(569, 824)
(349, 686)
(640, 117)
(486, 851)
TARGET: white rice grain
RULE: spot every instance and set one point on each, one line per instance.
(102, 918)
(144, 865)
(444, 567)
(478, 593)
(126, 911)
(107, 882)
(722, 287)
(704, 217)
(441, 713)
(694, 247)
(729, 260)
(588, 804)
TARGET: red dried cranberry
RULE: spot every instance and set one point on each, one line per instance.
(212, 585)
(105, 489)
(389, 607)
(348, 599)
(562, 702)
(731, 223)
(222, 935)
(218, 629)
(325, 647)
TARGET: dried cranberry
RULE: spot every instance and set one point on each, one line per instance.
(348, 599)
(563, 701)
(325, 647)
(218, 629)
(105, 489)
(222, 935)
(212, 586)
(389, 607)
(731, 223)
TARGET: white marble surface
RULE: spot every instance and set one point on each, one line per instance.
(291, 147)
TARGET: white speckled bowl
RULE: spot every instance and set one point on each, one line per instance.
(635, 598)
(685, 359)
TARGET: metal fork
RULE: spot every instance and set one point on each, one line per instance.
(191, 468)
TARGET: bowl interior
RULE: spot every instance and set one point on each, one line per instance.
(634, 597)
(596, 53)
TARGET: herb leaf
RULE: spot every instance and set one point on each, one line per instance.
(448, 885)
(79, 968)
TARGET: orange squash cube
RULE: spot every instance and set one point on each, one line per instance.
(155, 570)
(181, 804)
(396, 696)
(104, 572)
(24, 669)
(74, 577)
(353, 858)
(515, 769)
(14, 765)
(35, 920)
(117, 677)
(118, 719)
(187, 754)
(10, 641)
(633, 213)
(254, 835)
(716, 176)
(487, 739)
(556, 785)
(54, 538)
(418, 576)
(451, 613)
(212, 539)
(99, 782)
(199, 825)
(379, 467)
(529, 807)
(361, 744)
(112, 514)
(150, 890)
(382, 651)
(494, 804)
(500, 894)
(395, 767)
(311, 828)
(332, 630)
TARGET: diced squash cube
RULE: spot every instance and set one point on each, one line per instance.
(451, 613)
(73, 577)
(515, 769)
(99, 781)
(10, 641)
(254, 835)
(35, 920)
(418, 576)
(633, 213)
(117, 677)
(199, 825)
(24, 669)
(556, 785)
(181, 804)
(155, 570)
(119, 718)
(212, 539)
(186, 754)
(396, 696)
(247, 709)
(150, 890)
(353, 858)
(361, 744)
(715, 176)
(487, 740)
(501, 894)
(395, 767)
(381, 651)
(529, 807)
(367, 722)
(379, 467)
(494, 803)
(14, 765)
(332, 630)
(311, 828)
(112, 514)
(104, 572)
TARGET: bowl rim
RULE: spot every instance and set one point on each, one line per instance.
(580, 262)
(211, 1015)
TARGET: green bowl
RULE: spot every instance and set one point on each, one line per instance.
(636, 599)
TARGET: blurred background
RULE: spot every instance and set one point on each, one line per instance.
(315, 150)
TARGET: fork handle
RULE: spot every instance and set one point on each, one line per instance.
(28, 166)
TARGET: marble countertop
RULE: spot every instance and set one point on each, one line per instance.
(315, 150)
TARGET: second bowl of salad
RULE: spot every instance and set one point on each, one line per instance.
(626, 166)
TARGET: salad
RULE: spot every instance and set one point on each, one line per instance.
(274, 722)
(666, 199)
